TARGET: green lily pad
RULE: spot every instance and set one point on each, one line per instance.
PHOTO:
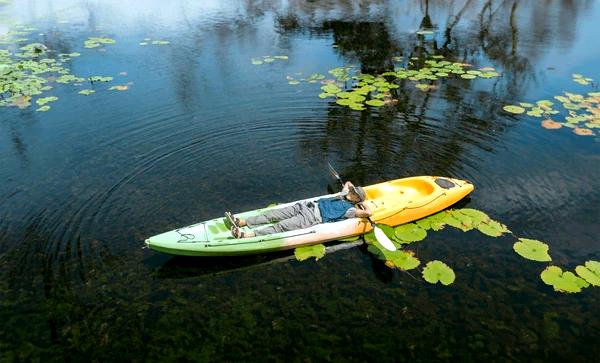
(492, 228)
(410, 232)
(95, 42)
(356, 106)
(468, 76)
(532, 250)
(86, 92)
(375, 103)
(403, 260)
(489, 74)
(476, 216)
(437, 271)
(43, 109)
(562, 281)
(256, 62)
(43, 101)
(343, 101)
(293, 82)
(513, 109)
(356, 98)
(331, 88)
(590, 272)
(282, 57)
(325, 95)
(434, 222)
(316, 251)
(160, 42)
(526, 105)
(451, 220)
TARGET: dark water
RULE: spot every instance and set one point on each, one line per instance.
(202, 130)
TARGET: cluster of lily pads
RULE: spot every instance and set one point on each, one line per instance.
(376, 90)
(95, 42)
(582, 80)
(33, 68)
(435, 271)
(583, 111)
(562, 281)
(465, 219)
(268, 59)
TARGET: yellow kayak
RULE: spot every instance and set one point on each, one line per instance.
(393, 203)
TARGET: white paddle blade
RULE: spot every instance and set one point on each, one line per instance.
(383, 239)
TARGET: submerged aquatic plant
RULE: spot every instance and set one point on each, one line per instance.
(304, 253)
(437, 271)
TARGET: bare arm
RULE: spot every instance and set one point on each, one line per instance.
(346, 188)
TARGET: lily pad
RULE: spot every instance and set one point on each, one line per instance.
(86, 92)
(492, 228)
(476, 216)
(325, 95)
(95, 42)
(551, 125)
(513, 109)
(590, 272)
(375, 103)
(258, 62)
(410, 232)
(122, 87)
(43, 108)
(356, 98)
(304, 253)
(356, 106)
(434, 222)
(532, 250)
(294, 82)
(331, 88)
(562, 281)
(437, 271)
(404, 260)
(43, 101)
(583, 132)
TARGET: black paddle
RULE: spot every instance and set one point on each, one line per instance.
(379, 234)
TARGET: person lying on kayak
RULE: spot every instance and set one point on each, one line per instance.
(304, 214)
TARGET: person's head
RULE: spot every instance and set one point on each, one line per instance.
(356, 195)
